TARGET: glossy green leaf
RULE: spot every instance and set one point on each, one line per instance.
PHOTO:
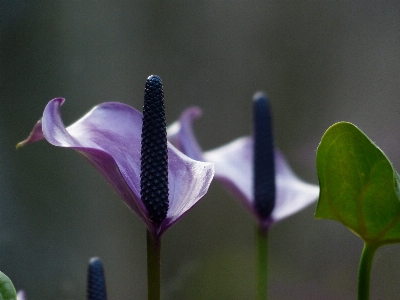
(358, 185)
(7, 290)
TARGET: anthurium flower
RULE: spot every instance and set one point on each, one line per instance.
(234, 168)
(21, 295)
(109, 137)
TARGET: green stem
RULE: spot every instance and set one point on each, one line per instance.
(262, 263)
(364, 270)
(153, 266)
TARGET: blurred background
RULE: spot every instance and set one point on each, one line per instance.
(319, 61)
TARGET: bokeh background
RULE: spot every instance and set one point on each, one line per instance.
(319, 61)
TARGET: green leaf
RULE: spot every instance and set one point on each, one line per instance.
(7, 290)
(358, 185)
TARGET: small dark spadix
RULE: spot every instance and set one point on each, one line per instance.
(154, 155)
(96, 283)
(263, 157)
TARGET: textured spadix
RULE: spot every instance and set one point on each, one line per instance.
(154, 153)
(96, 283)
(263, 157)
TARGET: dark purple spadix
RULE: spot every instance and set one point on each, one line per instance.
(96, 283)
(263, 157)
(154, 155)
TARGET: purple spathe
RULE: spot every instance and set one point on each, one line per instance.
(233, 167)
(109, 138)
(21, 295)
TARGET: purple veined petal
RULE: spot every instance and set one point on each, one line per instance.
(181, 135)
(109, 137)
(233, 163)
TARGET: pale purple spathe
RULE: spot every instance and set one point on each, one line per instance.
(21, 295)
(233, 167)
(109, 137)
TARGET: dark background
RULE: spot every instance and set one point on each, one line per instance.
(319, 61)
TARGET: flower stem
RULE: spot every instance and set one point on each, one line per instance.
(153, 266)
(364, 270)
(262, 263)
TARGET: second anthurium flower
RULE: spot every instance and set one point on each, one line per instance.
(236, 165)
(109, 137)
(256, 173)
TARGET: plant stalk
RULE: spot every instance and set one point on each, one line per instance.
(364, 270)
(262, 263)
(153, 267)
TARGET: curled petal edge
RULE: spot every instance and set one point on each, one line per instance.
(180, 133)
